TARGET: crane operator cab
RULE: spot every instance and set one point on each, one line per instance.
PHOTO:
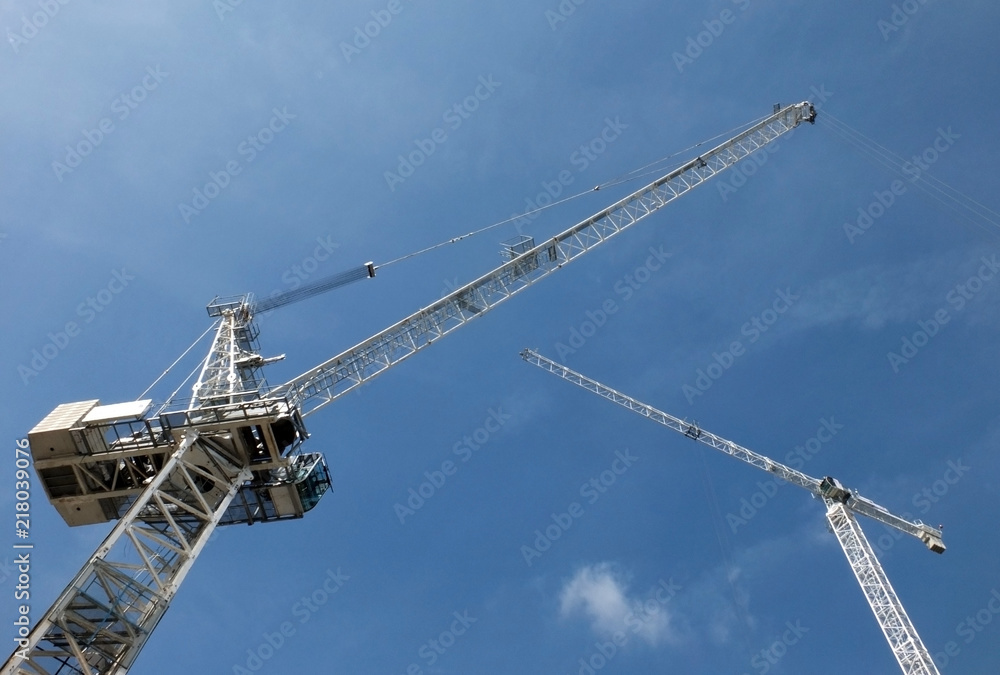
(95, 460)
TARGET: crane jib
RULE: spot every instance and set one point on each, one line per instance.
(906, 645)
(527, 263)
(829, 489)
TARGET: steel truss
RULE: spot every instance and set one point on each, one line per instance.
(925, 533)
(339, 375)
(899, 631)
(906, 645)
(231, 372)
(101, 621)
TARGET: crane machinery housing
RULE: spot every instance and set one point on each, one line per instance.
(842, 503)
(234, 452)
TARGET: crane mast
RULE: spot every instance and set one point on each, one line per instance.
(233, 453)
(103, 618)
(906, 645)
(910, 652)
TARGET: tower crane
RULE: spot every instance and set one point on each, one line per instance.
(841, 505)
(234, 453)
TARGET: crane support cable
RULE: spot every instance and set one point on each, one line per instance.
(901, 162)
(170, 367)
(952, 199)
(654, 167)
(648, 169)
(366, 271)
(484, 229)
(173, 395)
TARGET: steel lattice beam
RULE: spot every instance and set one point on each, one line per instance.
(218, 378)
(859, 504)
(231, 372)
(906, 646)
(332, 379)
(100, 622)
(909, 650)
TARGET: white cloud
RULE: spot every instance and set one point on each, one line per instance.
(600, 594)
(877, 295)
(872, 296)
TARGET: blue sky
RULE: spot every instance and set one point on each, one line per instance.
(168, 94)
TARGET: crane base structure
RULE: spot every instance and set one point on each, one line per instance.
(910, 652)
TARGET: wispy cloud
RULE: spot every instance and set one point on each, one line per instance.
(877, 295)
(601, 595)
(872, 297)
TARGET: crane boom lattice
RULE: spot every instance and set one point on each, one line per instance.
(103, 618)
(528, 263)
(910, 652)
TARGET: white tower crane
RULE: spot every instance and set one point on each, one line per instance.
(233, 453)
(841, 503)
